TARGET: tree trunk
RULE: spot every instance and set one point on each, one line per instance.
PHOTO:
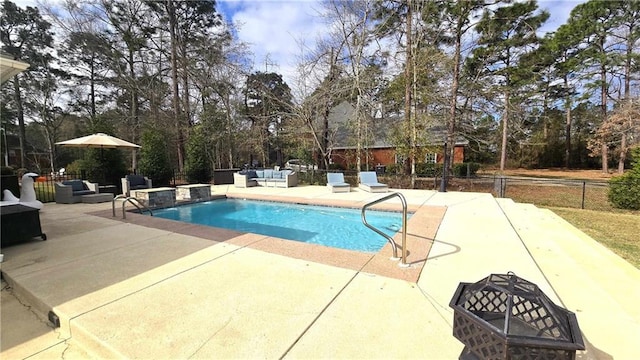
(408, 75)
(603, 99)
(174, 80)
(359, 136)
(623, 153)
(135, 104)
(567, 126)
(231, 146)
(505, 123)
(21, 133)
(324, 147)
(185, 85)
(627, 97)
(92, 85)
(453, 102)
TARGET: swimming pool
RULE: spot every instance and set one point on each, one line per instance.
(329, 226)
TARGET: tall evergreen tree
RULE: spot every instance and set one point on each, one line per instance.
(26, 36)
(593, 22)
(507, 33)
(267, 101)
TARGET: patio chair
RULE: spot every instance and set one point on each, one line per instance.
(368, 181)
(71, 191)
(135, 182)
(336, 183)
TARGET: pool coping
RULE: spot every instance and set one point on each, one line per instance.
(421, 230)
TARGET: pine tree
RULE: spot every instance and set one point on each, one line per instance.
(507, 33)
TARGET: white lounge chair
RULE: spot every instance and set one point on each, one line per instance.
(335, 182)
(368, 181)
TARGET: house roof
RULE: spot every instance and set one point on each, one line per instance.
(380, 130)
(10, 68)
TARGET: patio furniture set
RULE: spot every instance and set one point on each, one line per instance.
(268, 177)
(141, 187)
(137, 186)
(367, 180)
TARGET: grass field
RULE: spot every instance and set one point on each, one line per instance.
(617, 231)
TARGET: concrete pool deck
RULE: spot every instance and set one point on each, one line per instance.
(132, 290)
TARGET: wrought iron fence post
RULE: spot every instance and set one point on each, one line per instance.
(584, 189)
(499, 185)
(443, 180)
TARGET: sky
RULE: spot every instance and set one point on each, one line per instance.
(276, 29)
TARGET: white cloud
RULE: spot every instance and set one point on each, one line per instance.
(274, 30)
(559, 12)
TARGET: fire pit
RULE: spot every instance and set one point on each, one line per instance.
(507, 317)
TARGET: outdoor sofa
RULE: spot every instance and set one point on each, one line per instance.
(135, 182)
(71, 191)
(268, 177)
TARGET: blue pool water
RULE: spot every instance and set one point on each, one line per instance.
(328, 226)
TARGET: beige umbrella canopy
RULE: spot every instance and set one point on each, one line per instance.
(98, 140)
(102, 141)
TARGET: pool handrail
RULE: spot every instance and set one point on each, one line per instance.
(128, 199)
(394, 246)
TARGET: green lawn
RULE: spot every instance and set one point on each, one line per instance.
(615, 230)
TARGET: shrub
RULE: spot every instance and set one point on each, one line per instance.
(104, 166)
(197, 166)
(428, 169)
(74, 168)
(460, 170)
(394, 169)
(154, 155)
(624, 191)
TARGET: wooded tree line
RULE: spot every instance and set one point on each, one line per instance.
(479, 68)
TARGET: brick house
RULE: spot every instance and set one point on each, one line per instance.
(378, 147)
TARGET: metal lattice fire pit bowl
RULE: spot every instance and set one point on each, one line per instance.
(507, 317)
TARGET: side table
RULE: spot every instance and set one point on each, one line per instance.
(19, 223)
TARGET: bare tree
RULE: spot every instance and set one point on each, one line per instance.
(621, 130)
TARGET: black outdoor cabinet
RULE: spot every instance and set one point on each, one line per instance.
(19, 223)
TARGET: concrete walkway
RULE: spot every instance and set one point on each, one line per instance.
(125, 290)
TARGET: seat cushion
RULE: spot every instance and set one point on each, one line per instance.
(136, 180)
(76, 185)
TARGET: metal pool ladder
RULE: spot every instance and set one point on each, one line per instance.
(128, 199)
(394, 246)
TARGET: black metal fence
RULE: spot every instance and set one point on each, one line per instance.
(581, 194)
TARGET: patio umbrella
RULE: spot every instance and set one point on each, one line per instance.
(101, 141)
(98, 140)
